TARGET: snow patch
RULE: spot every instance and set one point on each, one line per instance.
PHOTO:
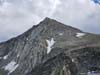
(11, 66)
(5, 57)
(73, 60)
(50, 44)
(60, 34)
(18, 55)
(80, 35)
(93, 73)
(27, 39)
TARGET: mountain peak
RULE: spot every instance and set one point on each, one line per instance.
(54, 24)
(50, 48)
(48, 20)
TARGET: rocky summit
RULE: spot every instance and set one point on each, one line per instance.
(51, 48)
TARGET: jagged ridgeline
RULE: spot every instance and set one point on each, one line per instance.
(51, 48)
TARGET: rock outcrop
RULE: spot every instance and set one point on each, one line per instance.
(50, 48)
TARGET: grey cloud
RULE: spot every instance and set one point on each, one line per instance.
(83, 14)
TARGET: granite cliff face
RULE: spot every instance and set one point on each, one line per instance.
(51, 48)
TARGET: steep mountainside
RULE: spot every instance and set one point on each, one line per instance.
(51, 48)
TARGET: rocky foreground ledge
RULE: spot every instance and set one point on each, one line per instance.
(51, 48)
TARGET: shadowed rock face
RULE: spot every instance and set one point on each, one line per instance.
(58, 65)
(50, 48)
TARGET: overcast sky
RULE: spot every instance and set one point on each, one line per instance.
(17, 16)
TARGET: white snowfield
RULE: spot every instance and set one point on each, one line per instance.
(50, 43)
(80, 35)
(11, 66)
(92, 73)
(5, 57)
